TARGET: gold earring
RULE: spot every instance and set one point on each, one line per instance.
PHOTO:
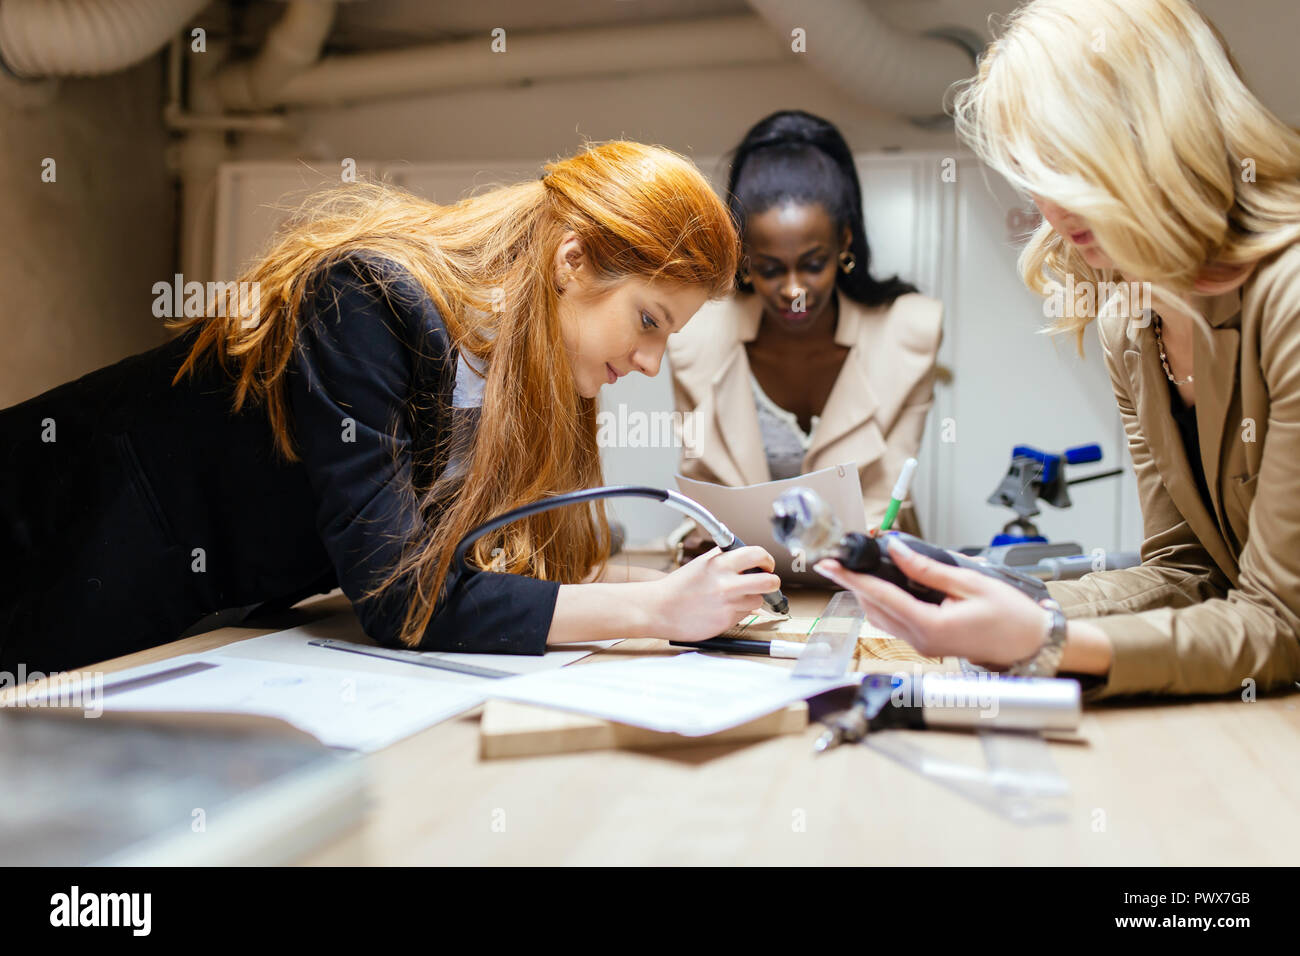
(847, 261)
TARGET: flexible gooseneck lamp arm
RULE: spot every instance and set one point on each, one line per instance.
(722, 535)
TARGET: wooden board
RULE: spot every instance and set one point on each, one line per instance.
(510, 729)
(874, 645)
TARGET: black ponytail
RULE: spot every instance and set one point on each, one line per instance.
(793, 156)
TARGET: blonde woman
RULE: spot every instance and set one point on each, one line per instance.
(1128, 123)
(409, 371)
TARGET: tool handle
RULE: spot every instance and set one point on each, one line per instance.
(774, 599)
(867, 555)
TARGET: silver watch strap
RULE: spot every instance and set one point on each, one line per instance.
(1046, 660)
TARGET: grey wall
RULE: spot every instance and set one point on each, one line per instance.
(81, 254)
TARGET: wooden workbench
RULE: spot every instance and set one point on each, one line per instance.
(1168, 783)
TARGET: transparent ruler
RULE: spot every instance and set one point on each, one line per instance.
(833, 639)
(1018, 780)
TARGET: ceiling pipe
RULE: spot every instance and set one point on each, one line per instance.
(232, 96)
(718, 41)
(907, 74)
(292, 45)
(50, 38)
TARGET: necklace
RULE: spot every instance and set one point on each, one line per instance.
(1164, 361)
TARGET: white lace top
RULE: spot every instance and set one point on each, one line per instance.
(784, 442)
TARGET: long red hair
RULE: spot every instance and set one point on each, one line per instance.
(486, 262)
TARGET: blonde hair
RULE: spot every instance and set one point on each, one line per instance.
(487, 263)
(1133, 115)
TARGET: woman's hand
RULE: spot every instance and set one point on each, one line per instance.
(704, 597)
(983, 620)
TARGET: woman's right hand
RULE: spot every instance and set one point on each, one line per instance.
(704, 597)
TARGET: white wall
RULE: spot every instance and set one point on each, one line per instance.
(1012, 385)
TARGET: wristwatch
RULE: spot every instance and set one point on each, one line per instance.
(1045, 661)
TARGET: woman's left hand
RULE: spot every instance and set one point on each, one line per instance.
(984, 620)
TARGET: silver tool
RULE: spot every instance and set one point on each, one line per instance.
(411, 657)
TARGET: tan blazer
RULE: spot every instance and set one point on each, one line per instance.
(874, 415)
(1215, 603)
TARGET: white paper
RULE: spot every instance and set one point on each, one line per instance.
(291, 647)
(356, 710)
(747, 510)
(689, 694)
(340, 698)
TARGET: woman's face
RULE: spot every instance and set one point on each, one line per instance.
(1213, 279)
(792, 248)
(625, 329)
(1074, 229)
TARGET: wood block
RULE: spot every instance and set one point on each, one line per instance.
(874, 645)
(510, 729)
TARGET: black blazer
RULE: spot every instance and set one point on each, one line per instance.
(130, 509)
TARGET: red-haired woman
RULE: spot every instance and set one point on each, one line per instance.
(408, 372)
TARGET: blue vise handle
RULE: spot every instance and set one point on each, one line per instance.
(1082, 454)
(1051, 464)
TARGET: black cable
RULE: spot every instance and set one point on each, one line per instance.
(547, 504)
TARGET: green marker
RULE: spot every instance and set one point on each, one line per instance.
(899, 493)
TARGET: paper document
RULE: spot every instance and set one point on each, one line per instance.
(342, 699)
(746, 510)
(292, 647)
(354, 710)
(688, 694)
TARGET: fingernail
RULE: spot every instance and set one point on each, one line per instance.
(824, 568)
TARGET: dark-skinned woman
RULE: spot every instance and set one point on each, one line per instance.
(814, 362)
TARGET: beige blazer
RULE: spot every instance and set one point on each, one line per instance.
(1215, 604)
(874, 415)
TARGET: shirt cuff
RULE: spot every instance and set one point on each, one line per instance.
(493, 613)
(1141, 653)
